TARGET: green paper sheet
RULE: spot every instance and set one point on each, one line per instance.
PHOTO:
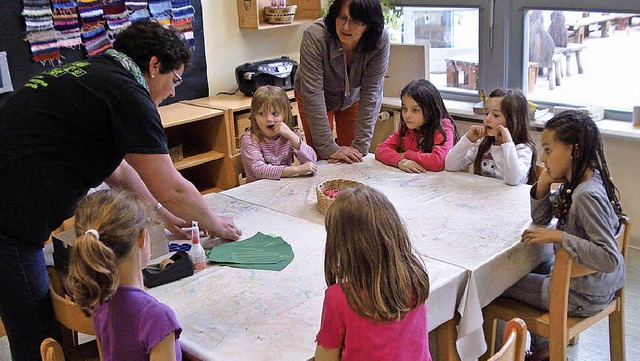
(261, 251)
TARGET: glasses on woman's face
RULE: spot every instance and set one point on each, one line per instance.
(345, 19)
(177, 80)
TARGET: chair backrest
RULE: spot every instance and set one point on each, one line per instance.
(514, 342)
(50, 350)
(563, 270)
(69, 314)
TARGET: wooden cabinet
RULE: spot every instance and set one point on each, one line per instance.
(251, 13)
(201, 136)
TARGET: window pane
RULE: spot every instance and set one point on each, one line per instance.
(592, 58)
(452, 34)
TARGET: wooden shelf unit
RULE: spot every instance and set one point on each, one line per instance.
(237, 108)
(204, 136)
(251, 13)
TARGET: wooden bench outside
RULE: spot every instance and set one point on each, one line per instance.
(468, 64)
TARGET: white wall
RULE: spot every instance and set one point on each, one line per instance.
(227, 46)
(624, 165)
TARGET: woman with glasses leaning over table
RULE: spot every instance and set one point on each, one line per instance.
(68, 130)
(343, 60)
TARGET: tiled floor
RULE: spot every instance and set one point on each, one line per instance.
(594, 343)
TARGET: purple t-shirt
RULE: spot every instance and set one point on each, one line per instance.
(365, 339)
(131, 324)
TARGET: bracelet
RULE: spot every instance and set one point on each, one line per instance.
(158, 206)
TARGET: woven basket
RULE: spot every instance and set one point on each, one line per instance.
(176, 153)
(340, 184)
(280, 15)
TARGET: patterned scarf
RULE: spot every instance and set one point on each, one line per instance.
(128, 64)
(41, 36)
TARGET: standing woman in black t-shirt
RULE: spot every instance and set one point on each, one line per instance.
(68, 130)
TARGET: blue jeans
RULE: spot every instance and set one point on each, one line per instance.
(25, 306)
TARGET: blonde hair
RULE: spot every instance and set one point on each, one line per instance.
(368, 252)
(269, 97)
(118, 217)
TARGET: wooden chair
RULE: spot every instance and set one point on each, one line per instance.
(72, 322)
(555, 324)
(514, 343)
(50, 350)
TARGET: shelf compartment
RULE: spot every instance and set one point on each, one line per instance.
(198, 159)
(206, 176)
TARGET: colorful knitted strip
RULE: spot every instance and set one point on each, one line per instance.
(90, 11)
(93, 33)
(160, 11)
(182, 15)
(116, 15)
(40, 33)
(65, 21)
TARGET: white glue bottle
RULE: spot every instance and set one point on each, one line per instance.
(196, 253)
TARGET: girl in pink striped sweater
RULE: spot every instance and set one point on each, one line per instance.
(269, 146)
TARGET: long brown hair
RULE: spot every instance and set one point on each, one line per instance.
(369, 254)
(118, 217)
(515, 108)
(269, 97)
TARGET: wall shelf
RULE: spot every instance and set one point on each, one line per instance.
(203, 135)
(251, 13)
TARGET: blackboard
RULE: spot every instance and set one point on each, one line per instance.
(22, 67)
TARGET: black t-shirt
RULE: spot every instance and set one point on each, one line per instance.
(66, 131)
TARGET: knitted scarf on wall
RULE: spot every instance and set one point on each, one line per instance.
(160, 11)
(138, 9)
(94, 34)
(182, 17)
(65, 22)
(116, 15)
(39, 30)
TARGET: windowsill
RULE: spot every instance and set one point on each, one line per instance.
(464, 111)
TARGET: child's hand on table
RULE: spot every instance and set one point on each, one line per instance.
(542, 235)
(410, 166)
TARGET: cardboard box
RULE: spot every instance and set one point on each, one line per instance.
(63, 241)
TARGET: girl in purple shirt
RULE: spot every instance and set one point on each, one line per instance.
(105, 279)
(268, 148)
(374, 308)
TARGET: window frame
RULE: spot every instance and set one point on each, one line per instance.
(507, 57)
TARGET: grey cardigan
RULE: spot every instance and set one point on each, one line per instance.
(588, 236)
(321, 84)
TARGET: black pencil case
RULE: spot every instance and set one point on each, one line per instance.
(181, 267)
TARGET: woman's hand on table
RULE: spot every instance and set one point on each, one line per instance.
(542, 235)
(223, 227)
(174, 224)
(410, 166)
(346, 155)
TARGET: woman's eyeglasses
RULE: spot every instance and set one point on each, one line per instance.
(345, 19)
(177, 80)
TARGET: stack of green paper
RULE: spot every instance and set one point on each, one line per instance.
(261, 251)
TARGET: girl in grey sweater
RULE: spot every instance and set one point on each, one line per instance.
(588, 210)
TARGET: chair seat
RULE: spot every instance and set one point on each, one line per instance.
(537, 320)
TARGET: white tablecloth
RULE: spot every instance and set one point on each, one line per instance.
(239, 314)
(463, 219)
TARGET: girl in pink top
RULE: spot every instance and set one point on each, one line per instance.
(268, 148)
(374, 308)
(426, 133)
(105, 279)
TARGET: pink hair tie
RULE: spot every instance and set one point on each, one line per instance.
(94, 232)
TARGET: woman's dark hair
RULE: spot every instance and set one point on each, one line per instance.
(578, 130)
(515, 108)
(367, 11)
(433, 110)
(145, 39)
